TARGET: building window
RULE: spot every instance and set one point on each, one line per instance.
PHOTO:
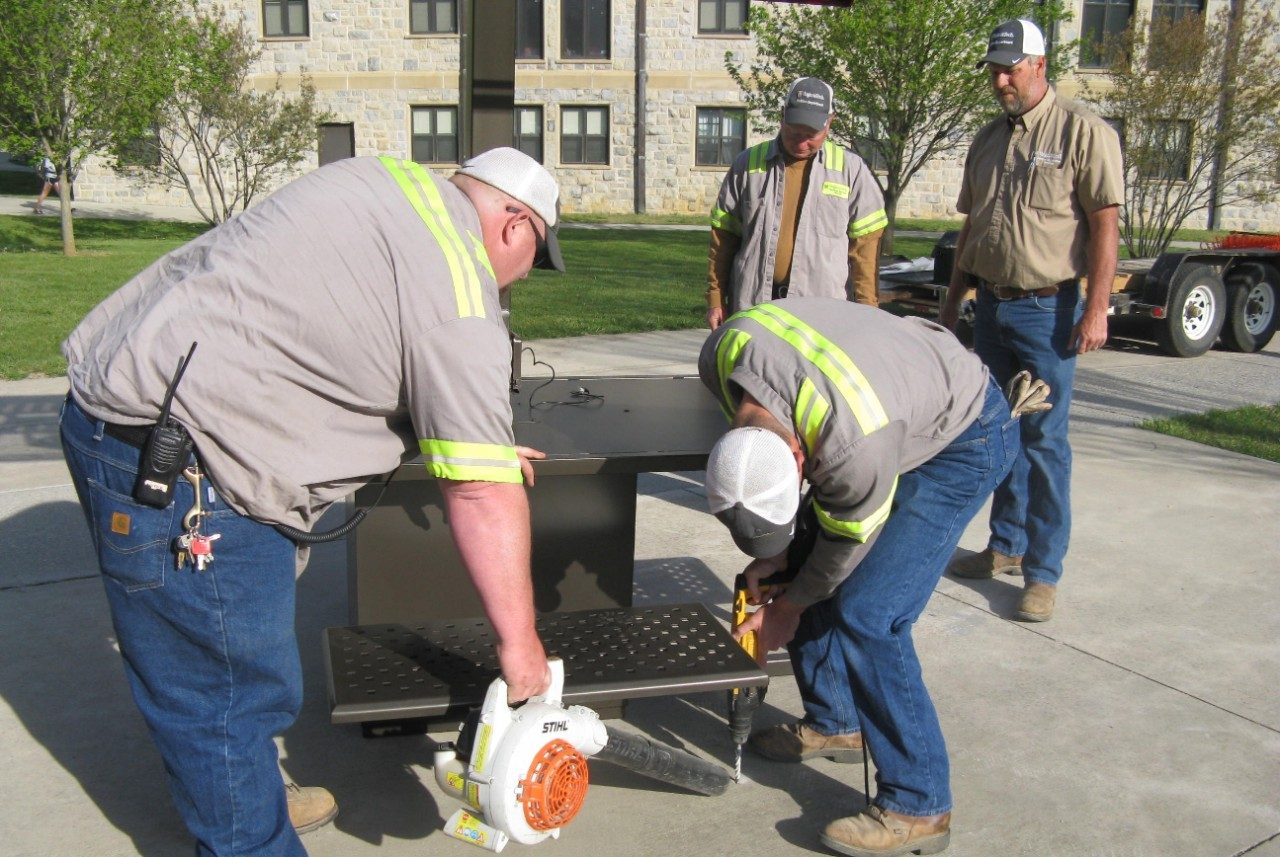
(141, 151)
(1047, 28)
(529, 36)
(1103, 21)
(585, 29)
(528, 127)
(1166, 154)
(584, 135)
(1175, 10)
(722, 134)
(284, 18)
(868, 142)
(433, 16)
(722, 16)
(435, 135)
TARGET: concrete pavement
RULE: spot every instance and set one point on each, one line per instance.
(1143, 720)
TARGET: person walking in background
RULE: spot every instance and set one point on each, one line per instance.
(1041, 193)
(797, 215)
(49, 175)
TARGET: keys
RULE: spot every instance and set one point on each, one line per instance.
(202, 549)
(194, 546)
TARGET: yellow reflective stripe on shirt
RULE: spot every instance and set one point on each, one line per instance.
(481, 254)
(757, 159)
(436, 201)
(471, 462)
(833, 156)
(436, 219)
(810, 413)
(728, 350)
(866, 225)
(721, 219)
(857, 530)
(829, 359)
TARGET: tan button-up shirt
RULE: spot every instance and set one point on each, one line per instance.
(1029, 182)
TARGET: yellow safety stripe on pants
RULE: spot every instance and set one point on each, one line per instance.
(422, 194)
(471, 462)
(810, 413)
(728, 351)
(757, 159)
(481, 254)
(857, 530)
(833, 156)
(829, 359)
(866, 225)
(721, 219)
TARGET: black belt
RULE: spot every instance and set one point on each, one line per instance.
(135, 436)
(1013, 293)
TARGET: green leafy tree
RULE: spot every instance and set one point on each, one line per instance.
(216, 136)
(78, 77)
(1197, 103)
(903, 71)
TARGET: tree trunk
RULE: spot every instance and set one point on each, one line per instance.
(64, 209)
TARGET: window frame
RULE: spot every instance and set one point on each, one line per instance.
(518, 137)
(435, 110)
(720, 28)
(524, 40)
(285, 5)
(1088, 43)
(586, 6)
(867, 128)
(1175, 10)
(432, 11)
(719, 140)
(583, 110)
(1171, 150)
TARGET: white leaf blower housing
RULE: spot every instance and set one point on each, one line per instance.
(527, 776)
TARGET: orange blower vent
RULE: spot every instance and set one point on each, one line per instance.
(556, 786)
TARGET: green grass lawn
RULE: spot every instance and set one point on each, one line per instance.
(619, 281)
(1254, 430)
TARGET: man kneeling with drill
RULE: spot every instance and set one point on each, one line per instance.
(902, 435)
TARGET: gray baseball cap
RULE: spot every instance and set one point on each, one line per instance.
(810, 102)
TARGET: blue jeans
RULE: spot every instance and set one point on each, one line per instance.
(854, 660)
(1031, 510)
(210, 655)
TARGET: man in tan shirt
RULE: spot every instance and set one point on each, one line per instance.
(798, 215)
(1041, 190)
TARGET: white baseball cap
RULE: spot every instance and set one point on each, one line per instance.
(753, 488)
(1012, 42)
(528, 182)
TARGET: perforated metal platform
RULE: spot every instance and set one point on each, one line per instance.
(397, 671)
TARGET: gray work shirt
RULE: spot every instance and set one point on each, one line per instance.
(348, 318)
(869, 395)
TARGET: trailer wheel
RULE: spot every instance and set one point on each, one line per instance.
(1252, 314)
(1197, 309)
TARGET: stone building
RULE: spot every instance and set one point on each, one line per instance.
(389, 74)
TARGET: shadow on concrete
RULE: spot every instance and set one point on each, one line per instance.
(29, 428)
(1001, 593)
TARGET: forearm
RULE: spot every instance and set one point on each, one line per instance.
(864, 268)
(955, 286)
(1103, 254)
(723, 247)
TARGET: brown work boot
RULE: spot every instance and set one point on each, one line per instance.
(878, 832)
(309, 808)
(1037, 602)
(796, 742)
(985, 564)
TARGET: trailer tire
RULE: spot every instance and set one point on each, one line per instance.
(1252, 310)
(1197, 309)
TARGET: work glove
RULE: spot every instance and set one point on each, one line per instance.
(1027, 395)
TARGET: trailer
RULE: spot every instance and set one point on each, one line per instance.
(1189, 299)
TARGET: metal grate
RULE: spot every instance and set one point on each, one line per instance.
(395, 671)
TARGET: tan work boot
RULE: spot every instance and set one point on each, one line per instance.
(796, 742)
(987, 563)
(309, 808)
(1037, 602)
(878, 832)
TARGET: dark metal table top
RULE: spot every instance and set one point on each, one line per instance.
(429, 669)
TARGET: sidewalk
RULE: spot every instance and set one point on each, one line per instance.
(1143, 720)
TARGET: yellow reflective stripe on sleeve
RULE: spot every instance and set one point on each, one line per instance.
(829, 360)
(835, 189)
(481, 254)
(758, 158)
(471, 462)
(833, 156)
(866, 225)
(436, 219)
(728, 350)
(810, 413)
(856, 530)
(470, 277)
(721, 219)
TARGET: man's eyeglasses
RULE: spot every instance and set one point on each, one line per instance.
(540, 252)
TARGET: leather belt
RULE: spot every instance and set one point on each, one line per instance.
(135, 436)
(1013, 293)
